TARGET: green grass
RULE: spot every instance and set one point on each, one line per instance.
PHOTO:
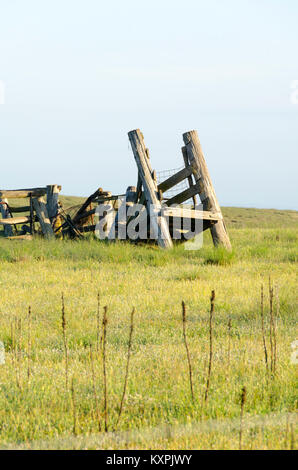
(158, 410)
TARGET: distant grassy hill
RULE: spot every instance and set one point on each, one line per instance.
(235, 217)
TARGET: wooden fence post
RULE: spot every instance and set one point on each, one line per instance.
(158, 223)
(53, 191)
(43, 217)
(189, 178)
(6, 215)
(206, 190)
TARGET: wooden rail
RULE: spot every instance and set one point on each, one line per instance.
(185, 195)
(190, 181)
(191, 213)
(22, 193)
(19, 209)
(15, 220)
(175, 179)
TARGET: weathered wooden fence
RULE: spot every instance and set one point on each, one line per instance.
(42, 207)
(43, 203)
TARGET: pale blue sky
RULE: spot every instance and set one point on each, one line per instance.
(80, 74)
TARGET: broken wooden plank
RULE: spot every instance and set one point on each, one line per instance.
(158, 223)
(88, 228)
(203, 180)
(93, 198)
(86, 214)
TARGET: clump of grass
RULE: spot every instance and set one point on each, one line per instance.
(188, 276)
(220, 256)
(187, 350)
(212, 298)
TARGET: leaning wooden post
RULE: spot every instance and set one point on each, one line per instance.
(53, 191)
(42, 214)
(5, 215)
(159, 224)
(189, 178)
(206, 190)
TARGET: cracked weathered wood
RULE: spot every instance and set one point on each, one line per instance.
(6, 215)
(206, 189)
(22, 193)
(43, 217)
(186, 213)
(53, 191)
(158, 222)
(189, 178)
(15, 220)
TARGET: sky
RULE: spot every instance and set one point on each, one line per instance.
(80, 74)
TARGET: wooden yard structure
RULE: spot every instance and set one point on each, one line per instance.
(196, 172)
(41, 206)
(44, 207)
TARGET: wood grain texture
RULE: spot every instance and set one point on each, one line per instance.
(42, 215)
(15, 220)
(158, 223)
(53, 191)
(189, 178)
(191, 213)
(203, 180)
(22, 193)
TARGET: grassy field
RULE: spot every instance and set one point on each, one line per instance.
(39, 412)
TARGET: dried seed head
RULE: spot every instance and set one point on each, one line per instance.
(131, 319)
(212, 296)
(243, 396)
(183, 312)
(63, 313)
(105, 320)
